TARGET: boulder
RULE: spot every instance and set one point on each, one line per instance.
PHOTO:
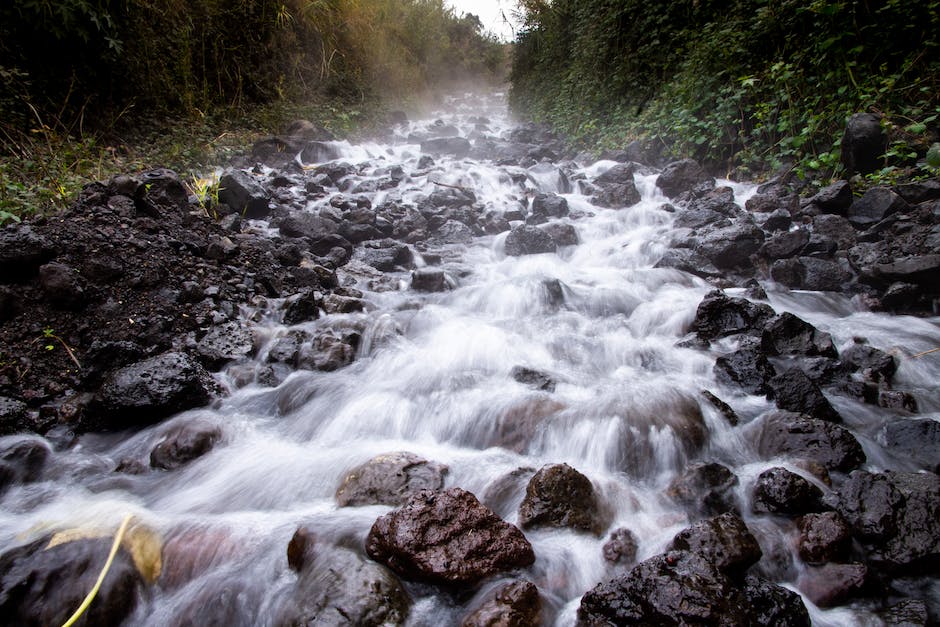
(244, 194)
(824, 537)
(224, 343)
(719, 315)
(62, 286)
(835, 228)
(834, 198)
(832, 584)
(914, 440)
(788, 334)
(863, 144)
(302, 549)
(779, 491)
(22, 251)
(306, 225)
(723, 408)
(428, 280)
(13, 415)
(389, 479)
(921, 270)
(301, 307)
(621, 547)
(877, 204)
(308, 130)
(680, 176)
(562, 234)
(447, 538)
(617, 196)
(528, 240)
(907, 613)
(731, 247)
(23, 459)
(793, 391)
(148, 391)
(788, 434)
(876, 365)
(747, 368)
(515, 604)
(785, 245)
(318, 152)
(456, 146)
(549, 206)
(724, 541)
(183, 443)
(560, 496)
(386, 255)
(617, 174)
(705, 489)
(810, 273)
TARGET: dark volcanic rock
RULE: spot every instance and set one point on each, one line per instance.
(705, 489)
(680, 176)
(516, 604)
(528, 240)
(810, 273)
(793, 391)
(149, 391)
(184, 443)
(535, 378)
(747, 368)
(877, 204)
(389, 480)
(225, 343)
(386, 255)
(621, 547)
(23, 460)
(302, 307)
(617, 195)
(908, 613)
(824, 537)
(447, 538)
(779, 491)
(785, 245)
(62, 286)
(562, 234)
(719, 315)
(876, 365)
(12, 415)
(560, 496)
(428, 280)
(244, 194)
(916, 440)
(863, 144)
(724, 541)
(732, 246)
(549, 206)
(832, 584)
(835, 198)
(457, 146)
(788, 434)
(22, 251)
(789, 335)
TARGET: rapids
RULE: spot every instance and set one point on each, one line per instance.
(432, 376)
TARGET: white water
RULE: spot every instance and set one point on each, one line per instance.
(433, 378)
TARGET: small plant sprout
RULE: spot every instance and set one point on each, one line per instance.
(49, 334)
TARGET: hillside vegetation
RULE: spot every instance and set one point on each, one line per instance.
(745, 85)
(79, 75)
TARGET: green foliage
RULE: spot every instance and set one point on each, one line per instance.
(745, 85)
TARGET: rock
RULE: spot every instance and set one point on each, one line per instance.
(863, 144)
(785, 245)
(534, 378)
(914, 440)
(276, 152)
(161, 192)
(876, 365)
(454, 232)
(44, 584)
(428, 280)
(148, 391)
(779, 491)
(788, 334)
(705, 489)
(318, 152)
(12, 415)
(386, 255)
(183, 443)
(549, 206)
(922, 270)
(447, 538)
(723, 408)
(868, 503)
(562, 234)
(746, 368)
(907, 613)
(528, 240)
(810, 273)
(621, 547)
(724, 541)
(770, 604)
(832, 584)
(834, 198)
(244, 194)
(719, 315)
(824, 537)
(877, 204)
(63, 287)
(617, 174)
(835, 228)
(732, 246)
(560, 496)
(617, 196)
(793, 391)
(897, 399)
(306, 225)
(22, 252)
(301, 550)
(22, 460)
(328, 352)
(787, 434)
(389, 479)
(456, 146)
(516, 604)
(779, 220)
(338, 587)
(224, 343)
(302, 307)
(680, 176)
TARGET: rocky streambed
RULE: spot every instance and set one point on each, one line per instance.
(459, 375)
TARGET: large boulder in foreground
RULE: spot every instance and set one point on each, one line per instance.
(560, 496)
(447, 538)
(787, 434)
(148, 391)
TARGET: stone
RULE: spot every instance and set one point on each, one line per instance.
(793, 391)
(724, 541)
(834, 198)
(617, 196)
(875, 364)
(785, 245)
(12, 415)
(922, 270)
(457, 146)
(914, 440)
(447, 538)
(22, 252)
(810, 273)
(515, 604)
(746, 368)
(824, 537)
(224, 343)
(306, 225)
(617, 174)
(907, 613)
(244, 194)
(705, 489)
(731, 247)
(788, 334)
(793, 435)
(835, 228)
(534, 378)
(318, 152)
(62, 286)
(874, 206)
(560, 496)
(23, 460)
(428, 280)
(386, 255)
(183, 443)
(549, 206)
(621, 547)
(303, 306)
(562, 234)
(723, 408)
(719, 315)
(528, 240)
(779, 491)
(389, 479)
(680, 176)
(863, 144)
(832, 584)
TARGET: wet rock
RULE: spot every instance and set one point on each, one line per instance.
(832, 584)
(338, 587)
(915, 440)
(785, 245)
(779, 491)
(770, 604)
(516, 604)
(787, 334)
(306, 225)
(43, 584)
(834, 198)
(672, 422)
(724, 541)
(386, 255)
(562, 234)
(793, 391)
(148, 391)
(534, 378)
(560, 496)
(835, 228)
(779, 220)
(824, 537)
(428, 280)
(244, 194)
(447, 538)
(863, 144)
(12, 415)
(302, 307)
(451, 197)
(922, 270)
(705, 489)
(617, 174)
(23, 459)
(301, 550)
(549, 206)
(908, 613)
(183, 443)
(723, 408)
(328, 352)
(63, 287)
(318, 152)
(224, 343)
(22, 252)
(680, 176)
(868, 502)
(456, 146)
(746, 368)
(617, 196)
(389, 479)
(621, 547)
(788, 434)
(876, 365)
(732, 246)
(719, 315)
(877, 204)
(528, 240)
(454, 232)
(810, 273)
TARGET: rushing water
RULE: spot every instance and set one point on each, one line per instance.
(433, 377)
